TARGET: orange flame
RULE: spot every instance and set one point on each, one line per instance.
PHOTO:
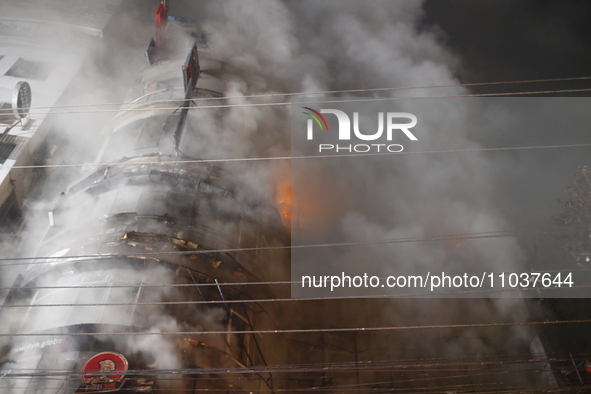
(283, 198)
(314, 207)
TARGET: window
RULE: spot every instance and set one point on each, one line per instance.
(6, 149)
(10, 216)
(30, 69)
(150, 134)
(152, 203)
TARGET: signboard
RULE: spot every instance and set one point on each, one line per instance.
(161, 19)
(161, 14)
(22, 99)
(191, 70)
(191, 73)
(151, 52)
(15, 103)
(103, 373)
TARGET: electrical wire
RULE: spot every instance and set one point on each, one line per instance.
(439, 238)
(427, 365)
(425, 294)
(287, 103)
(443, 364)
(308, 331)
(455, 388)
(322, 92)
(250, 283)
(436, 238)
(507, 387)
(281, 158)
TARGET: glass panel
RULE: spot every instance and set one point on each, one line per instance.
(150, 134)
(179, 205)
(104, 202)
(152, 203)
(126, 200)
(30, 69)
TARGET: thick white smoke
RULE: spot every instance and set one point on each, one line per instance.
(332, 45)
(277, 47)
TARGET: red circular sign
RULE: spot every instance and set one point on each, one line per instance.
(103, 363)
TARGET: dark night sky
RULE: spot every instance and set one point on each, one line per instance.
(505, 40)
(515, 39)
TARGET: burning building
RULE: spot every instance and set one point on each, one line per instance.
(160, 270)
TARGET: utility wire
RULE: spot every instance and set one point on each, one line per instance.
(250, 283)
(322, 92)
(432, 294)
(508, 387)
(286, 103)
(276, 158)
(363, 367)
(443, 364)
(482, 292)
(308, 331)
(477, 364)
(438, 238)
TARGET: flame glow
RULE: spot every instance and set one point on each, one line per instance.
(283, 198)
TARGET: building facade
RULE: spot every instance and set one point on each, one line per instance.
(150, 251)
